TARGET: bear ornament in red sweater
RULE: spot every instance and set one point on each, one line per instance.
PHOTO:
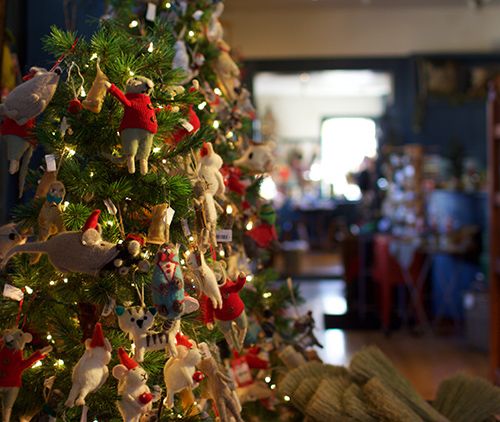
(139, 124)
(231, 318)
(12, 366)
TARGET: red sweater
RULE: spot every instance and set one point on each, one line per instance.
(12, 366)
(10, 127)
(139, 111)
(232, 305)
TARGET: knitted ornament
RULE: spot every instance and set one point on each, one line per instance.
(91, 371)
(136, 398)
(139, 124)
(29, 99)
(189, 126)
(95, 97)
(75, 106)
(231, 317)
(159, 229)
(92, 221)
(50, 220)
(12, 366)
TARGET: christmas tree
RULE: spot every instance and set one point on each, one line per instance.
(147, 237)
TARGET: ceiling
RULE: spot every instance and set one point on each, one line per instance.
(275, 4)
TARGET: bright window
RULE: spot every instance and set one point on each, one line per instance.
(345, 142)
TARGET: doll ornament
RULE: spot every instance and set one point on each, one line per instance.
(139, 124)
(91, 371)
(12, 366)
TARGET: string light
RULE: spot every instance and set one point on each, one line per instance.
(133, 24)
(93, 56)
(82, 92)
(156, 150)
(191, 34)
(49, 337)
(249, 225)
(168, 5)
(218, 92)
(267, 295)
(70, 151)
(65, 205)
(65, 280)
(191, 238)
(91, 174)
(52, 283)
(249, 277)
(267, 379)
(59, 362)
(150, 47)
(28, 289)
(229, 210)
(216, 124)
(38, 364)
(183, 262)
(110, 223)
(286, 398)
(202, 105)
(187, 253)
(222, 253)
(164, 161)
(131, 73)
(273, 386)
(229, 134)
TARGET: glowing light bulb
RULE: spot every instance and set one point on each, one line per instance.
(202, 105)
(222, 253)
(267, 295)
(133, 24)
(229, 134)
(286, 398)
(216, 124)
(110, 223)
(273, 386)
(59, 362)
(191, 238)
(65, 280)
(168, 5)
(28, 289)
(191, 34)
(93, 56)
(156, 150)
(267, 379)
(131, 73)
(249, 278)
(91, 174)
(217, 91)
(49, 337)
(70, 151)
(164, 161)
(65, 205)
(249, 225)
(183, 262)
(187, 253)
(150, 47)
(38, 364)
(52, 283)
(82, 92)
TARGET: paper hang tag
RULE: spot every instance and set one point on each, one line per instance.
(225, 235)
(151, 12)
(110, 206)
(241, 371)
(185, 228)
(169, 215)
(64, 126)
(197, 15)
(13, 292)
(186, 125)
(50, 160)
(108, 308)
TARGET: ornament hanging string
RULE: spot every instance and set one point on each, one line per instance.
(62, 56)
(71, 80)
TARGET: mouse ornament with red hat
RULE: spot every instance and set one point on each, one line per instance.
(190, 124)
(130, 256)
(13, 364)
(91, 371)
(135, 397)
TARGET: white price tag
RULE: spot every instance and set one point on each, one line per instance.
(50, 160)
(224, 235)
(151, 12)
(13, 292)
(186, 125)
(170, 215)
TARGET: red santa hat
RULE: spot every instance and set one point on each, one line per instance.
(97, 336)
(92, 221)
(135, 236)
(126, 360)
(183, 340)
(206, 149)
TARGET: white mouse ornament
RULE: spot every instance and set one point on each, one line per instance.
(258, 158)
(136, 399)
(209, 166)
(179, 371)
(91, 371)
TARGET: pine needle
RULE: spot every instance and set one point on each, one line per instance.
(463, 398)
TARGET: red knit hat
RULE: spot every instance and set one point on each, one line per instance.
(204, 149)
(183, 341)
(126, 360)
(97, 336)
(92, 221)
(135, 236)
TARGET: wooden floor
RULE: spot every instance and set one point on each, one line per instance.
(425, 360)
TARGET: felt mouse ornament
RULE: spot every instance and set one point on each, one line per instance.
(258, 158)
(139, 124)
(189, 126)
(208, 168)
(50, 220)
(95, 97)
(214, 30)
(231, 317)
(130, 256)
(44, 183)
(136, 399)
(12, 366)
(159, 229)
(30, 98)
(179, 371)
(208, 207)
(220, 388)
(227, 72)
(77, 251)
(204, 275)
(10, 236)
(91, 371)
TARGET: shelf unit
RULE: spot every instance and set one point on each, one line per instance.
(494, 215)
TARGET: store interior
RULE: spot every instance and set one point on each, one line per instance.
(383, 119)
